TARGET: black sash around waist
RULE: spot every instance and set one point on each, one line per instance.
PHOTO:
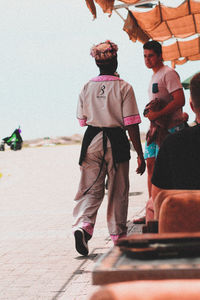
(119, 142)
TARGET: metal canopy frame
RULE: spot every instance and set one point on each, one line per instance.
(140, 4)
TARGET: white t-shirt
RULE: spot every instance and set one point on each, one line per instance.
(107, 101)
(162, 84)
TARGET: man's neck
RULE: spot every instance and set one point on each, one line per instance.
(158, 67)
(106, 73)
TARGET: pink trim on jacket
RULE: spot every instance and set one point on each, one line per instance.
(106, 78)
(82, 122)
(132, 120)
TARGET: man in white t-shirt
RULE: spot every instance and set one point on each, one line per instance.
(165, 84)
(108, 108)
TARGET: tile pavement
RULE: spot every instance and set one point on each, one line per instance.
(37, 256)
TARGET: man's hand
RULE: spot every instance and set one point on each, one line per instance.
(134, 134)
(152, 115)
(141, 165)
(177, 102)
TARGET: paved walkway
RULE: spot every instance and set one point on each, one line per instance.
(37, 256)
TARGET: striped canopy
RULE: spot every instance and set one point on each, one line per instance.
(177, 28)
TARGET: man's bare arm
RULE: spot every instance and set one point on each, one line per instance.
(134, 134)
(177, 102)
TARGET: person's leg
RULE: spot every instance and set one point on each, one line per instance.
(150, 167)
(88, 200)
(150, 154)
(118, 189)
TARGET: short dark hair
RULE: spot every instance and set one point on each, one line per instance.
(153, 45)
(108, 65)
(195, 90)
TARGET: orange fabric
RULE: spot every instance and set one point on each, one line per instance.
(92, 8)
(134, 31)
(172, 289)
(171, 52)
(178, 62)
(180, 213)
(161, 33)
(148, 20)
(194, 7)
(106, 5)
(189, 50)
(169, 13)
(182, 27)
(197, 22)
(194, 57)
(162, 23)
(162, 195)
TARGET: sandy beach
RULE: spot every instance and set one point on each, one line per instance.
(38, 259)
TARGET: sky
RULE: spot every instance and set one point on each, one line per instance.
(45, 61)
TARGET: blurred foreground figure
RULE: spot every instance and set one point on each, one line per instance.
(178, 160)
(108, 108)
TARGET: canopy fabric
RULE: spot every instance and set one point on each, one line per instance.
(92, 7)
(106, 5)
(134, 31)
(163, 23)
(187, 50)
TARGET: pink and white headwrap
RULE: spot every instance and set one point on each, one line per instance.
(104, 51)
